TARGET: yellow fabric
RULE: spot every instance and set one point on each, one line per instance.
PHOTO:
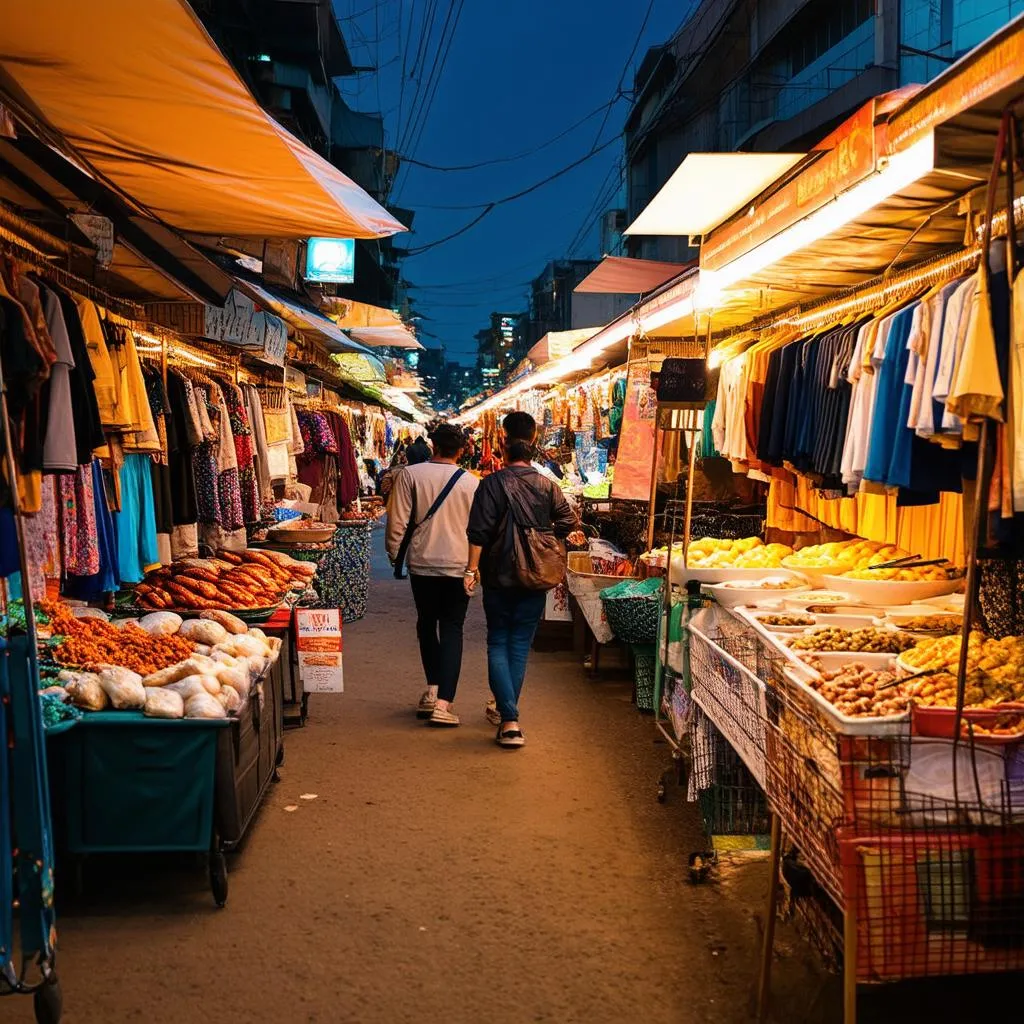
(932, 531)
(107, 384)
(145, 97)
(143, 436)
(977, 390)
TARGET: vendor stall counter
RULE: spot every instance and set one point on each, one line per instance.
(124, 783)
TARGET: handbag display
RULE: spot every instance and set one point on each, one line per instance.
(540, 557)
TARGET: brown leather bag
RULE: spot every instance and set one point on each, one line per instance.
(540, 557)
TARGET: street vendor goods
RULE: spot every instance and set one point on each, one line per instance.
(994, 670)
(859, 691)
(233, 580)
(749, 553)
(843, 556)
(87, 641)
(865, 641)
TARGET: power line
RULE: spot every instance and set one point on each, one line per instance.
(437, 73)
(529, 189)
(518, 156)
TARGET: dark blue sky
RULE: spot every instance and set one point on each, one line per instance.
(518, 73)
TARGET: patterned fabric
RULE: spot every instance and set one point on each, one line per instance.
(78, 523)
(1001, 597)
(317, 435)
(244, 454)
(42, 540)
(204, 468)
(343, 571)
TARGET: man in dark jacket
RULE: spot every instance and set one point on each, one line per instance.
(417, 452)
(513, 612)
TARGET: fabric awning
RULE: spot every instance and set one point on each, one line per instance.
(556, 344)
(348, 313)
(708, 188)
(621, 275)
(399, 336)
(301, 318)
(141, 93)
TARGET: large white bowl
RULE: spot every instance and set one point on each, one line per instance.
(815, 576)
(733, 597)
(891, 592)
(724, 574)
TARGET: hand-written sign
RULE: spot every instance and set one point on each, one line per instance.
(318, 639)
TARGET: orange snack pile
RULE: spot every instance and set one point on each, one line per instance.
(91, 641)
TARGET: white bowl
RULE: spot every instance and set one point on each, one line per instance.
(783, 630)
(892, 592)
(724, 573)
(735, 596)
(843, 620)
(819, 596)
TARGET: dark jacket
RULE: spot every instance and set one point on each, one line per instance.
(489, 522)
(417, 452)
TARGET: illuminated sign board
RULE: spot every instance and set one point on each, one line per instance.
(331, 260)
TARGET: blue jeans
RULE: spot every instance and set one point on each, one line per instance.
(512, 620)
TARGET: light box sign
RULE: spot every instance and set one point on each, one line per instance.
(331, 260)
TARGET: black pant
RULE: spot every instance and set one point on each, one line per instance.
(441, 605)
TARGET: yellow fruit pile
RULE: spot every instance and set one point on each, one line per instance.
(749, 553)
(854, 558)
(843, 556)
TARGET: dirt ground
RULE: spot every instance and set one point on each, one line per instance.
(435, 878)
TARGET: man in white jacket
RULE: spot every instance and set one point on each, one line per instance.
(430, 505)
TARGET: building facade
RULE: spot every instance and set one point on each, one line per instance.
(777, 76)
(289, 55)
(556, 306)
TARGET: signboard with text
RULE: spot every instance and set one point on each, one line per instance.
(632, 479)
(849, 158)
(318, 640)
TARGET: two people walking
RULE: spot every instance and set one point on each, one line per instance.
(505, 534)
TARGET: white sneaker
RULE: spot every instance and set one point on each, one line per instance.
(444, 718)
(492, 713)
(426, 706)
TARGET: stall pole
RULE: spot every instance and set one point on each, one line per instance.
(654, 483)
(768, 941)
(850, 960)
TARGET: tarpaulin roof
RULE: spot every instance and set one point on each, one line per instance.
(301, 318)
(142, 94)
(622, 275)
(399, 336)
(556, 344)
(707, 188)
(348, 313)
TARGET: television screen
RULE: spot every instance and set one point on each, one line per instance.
(331, 260)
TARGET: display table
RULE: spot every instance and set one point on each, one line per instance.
(124, 783)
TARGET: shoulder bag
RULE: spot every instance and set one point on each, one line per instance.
(413, 526)
(539, 556)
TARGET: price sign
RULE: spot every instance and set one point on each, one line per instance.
(318, 640)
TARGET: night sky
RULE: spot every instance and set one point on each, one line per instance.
(518, 73)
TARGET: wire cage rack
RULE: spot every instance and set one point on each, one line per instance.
(917, 840)
(731, 802)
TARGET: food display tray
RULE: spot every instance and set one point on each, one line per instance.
(283, 535)
(891, 725)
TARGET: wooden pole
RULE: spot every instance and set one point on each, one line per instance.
(764, 984)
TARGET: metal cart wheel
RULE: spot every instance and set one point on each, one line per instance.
(218, 873)
(48, 998)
